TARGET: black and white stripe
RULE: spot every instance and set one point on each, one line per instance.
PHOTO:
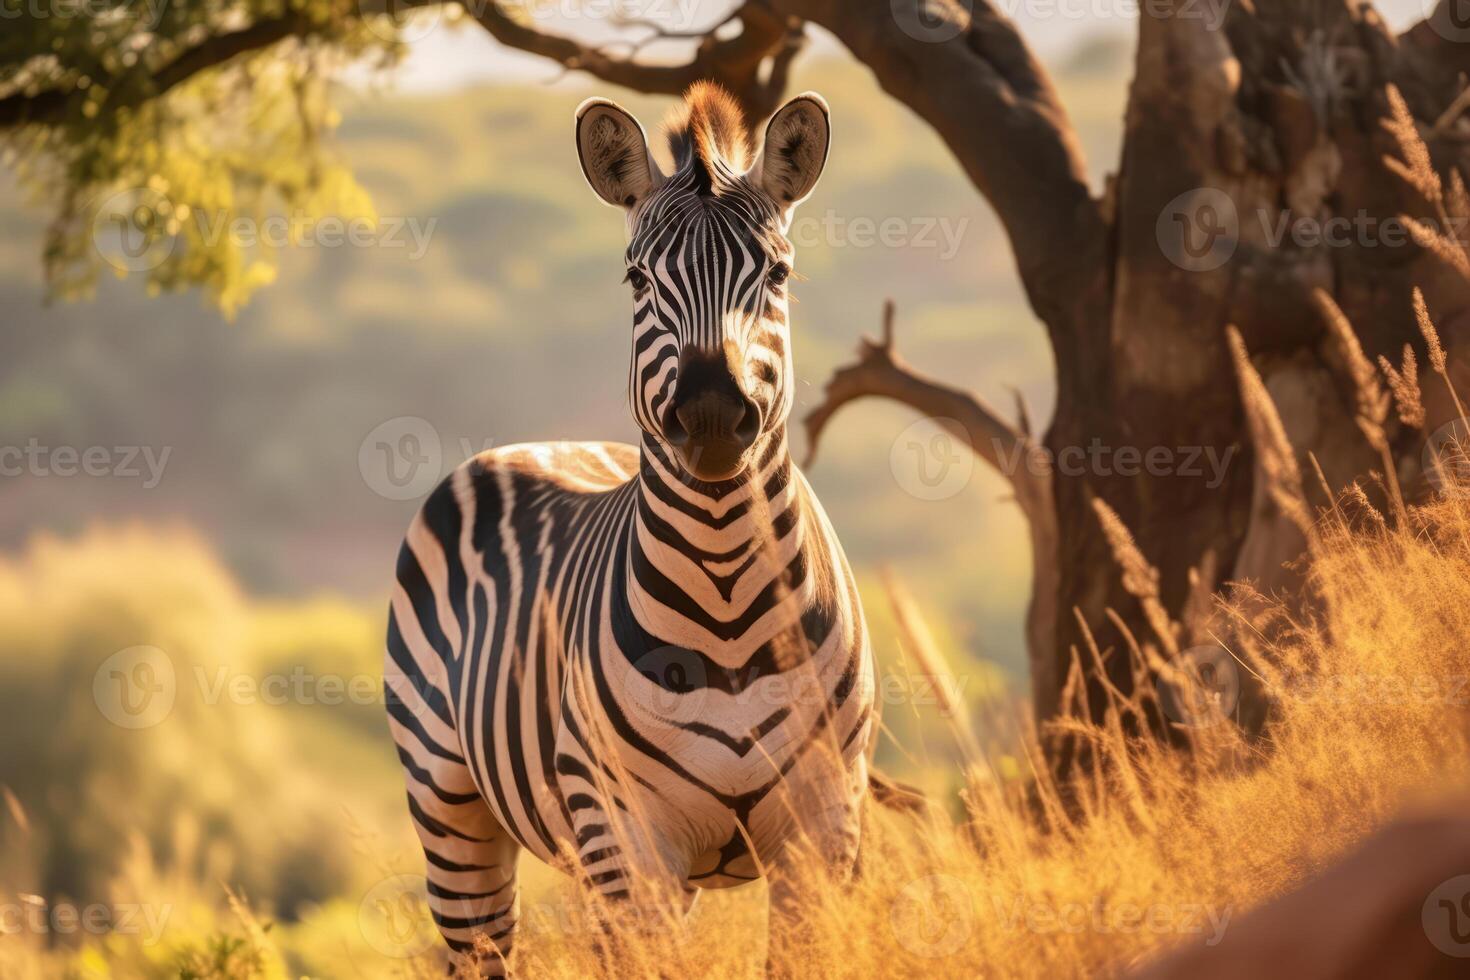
(631, 672)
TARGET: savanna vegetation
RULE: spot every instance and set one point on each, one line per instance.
(283, 857)
(256, 829)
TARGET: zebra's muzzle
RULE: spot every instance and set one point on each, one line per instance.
(711, 424)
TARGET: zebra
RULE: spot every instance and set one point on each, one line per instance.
(647, 666)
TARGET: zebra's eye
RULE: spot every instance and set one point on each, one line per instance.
(779, 273)
(638, 279)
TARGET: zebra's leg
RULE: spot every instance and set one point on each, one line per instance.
(470, 858)
(638, 879)
(473, 895)
(820, 853)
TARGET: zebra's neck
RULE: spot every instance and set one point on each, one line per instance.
(720, 568)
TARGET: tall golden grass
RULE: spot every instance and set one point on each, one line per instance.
(1367, 719)
(1164, 849)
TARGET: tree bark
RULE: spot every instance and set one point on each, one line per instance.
(1278, 116)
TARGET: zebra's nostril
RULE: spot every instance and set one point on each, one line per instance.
(749, 424)
(674, 429)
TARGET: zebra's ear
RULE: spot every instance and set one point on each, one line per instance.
(614, 153)
(795, 150)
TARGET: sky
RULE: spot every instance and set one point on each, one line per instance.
(444, 58)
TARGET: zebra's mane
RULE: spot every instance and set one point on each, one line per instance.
(708, 136)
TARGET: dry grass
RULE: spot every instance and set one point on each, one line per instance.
(1159, 849)
(1368, 717)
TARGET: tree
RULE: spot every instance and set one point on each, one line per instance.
(1256, 178)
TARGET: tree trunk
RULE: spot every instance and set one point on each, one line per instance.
(1267, 131)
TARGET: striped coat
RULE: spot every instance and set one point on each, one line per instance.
(646, 665)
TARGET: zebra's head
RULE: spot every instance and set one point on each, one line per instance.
(708, 261)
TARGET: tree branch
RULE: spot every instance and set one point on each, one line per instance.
(49, 107)
(879, 372)
(736, 62)
(975, 81)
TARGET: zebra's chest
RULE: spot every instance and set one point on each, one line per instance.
(710, 733)
(709, 682)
